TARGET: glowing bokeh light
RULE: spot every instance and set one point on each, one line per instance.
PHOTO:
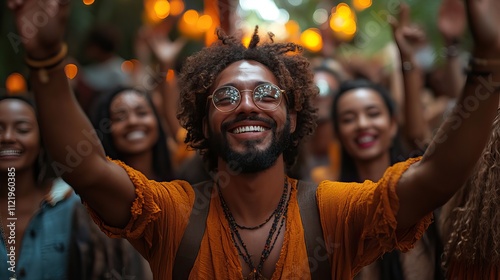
(71, 70)
(295, 2)
(204, 22)
(343, 22)
(162, 8)
(176, 7)
(320, 16)
(361, 4)
(190, 17)
(88, 2)
(343, 10)
(350, 27)
(292, 27)
(246, 41)
(15, 83)
(311, 39)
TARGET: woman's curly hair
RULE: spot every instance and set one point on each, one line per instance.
(472, 220)
(291, 69)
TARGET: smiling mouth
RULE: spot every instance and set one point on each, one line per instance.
(135, 135)
(365, 139)
(7, 153)
(249, 128)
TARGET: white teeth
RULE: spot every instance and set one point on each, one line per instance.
(10, 153)
(135, 135)
(249, 128)
(365, 139)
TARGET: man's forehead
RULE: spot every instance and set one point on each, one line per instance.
(245, 71)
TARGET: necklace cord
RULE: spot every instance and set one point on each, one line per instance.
(280, 213)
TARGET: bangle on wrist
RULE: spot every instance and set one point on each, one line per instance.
(42, 67)
(49, 62)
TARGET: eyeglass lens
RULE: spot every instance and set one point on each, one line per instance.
(265, 97)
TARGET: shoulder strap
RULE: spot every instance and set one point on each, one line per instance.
(191, 240)
(319, 263)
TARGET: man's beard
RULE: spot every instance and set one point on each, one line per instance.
(253, 160)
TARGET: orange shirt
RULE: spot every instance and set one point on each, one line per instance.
(358, 223)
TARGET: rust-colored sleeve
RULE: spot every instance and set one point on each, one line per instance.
(159, 215)
(359, 221)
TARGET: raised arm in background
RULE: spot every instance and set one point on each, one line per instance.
(415, 128)
(68, 134)
(452, 154)
(166, 52)
(451, 24)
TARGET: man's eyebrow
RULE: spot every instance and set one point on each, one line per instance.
(256, 83)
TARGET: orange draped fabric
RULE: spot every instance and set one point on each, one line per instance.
(358, 222)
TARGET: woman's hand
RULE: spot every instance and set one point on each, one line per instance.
(452, 21)
(41, 25)
(408, 36)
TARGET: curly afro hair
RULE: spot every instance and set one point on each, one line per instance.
(291, 69)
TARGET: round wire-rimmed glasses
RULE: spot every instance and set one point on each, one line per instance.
(266, 97)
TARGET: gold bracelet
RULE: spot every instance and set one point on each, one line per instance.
(50, 62)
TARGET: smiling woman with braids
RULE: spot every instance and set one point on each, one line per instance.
(248, 109)
(471, 226)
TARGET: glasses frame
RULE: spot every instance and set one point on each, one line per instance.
(281, 91)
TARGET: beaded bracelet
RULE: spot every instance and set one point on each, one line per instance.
(42, 66)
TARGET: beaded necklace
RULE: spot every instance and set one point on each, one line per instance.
(280, 213)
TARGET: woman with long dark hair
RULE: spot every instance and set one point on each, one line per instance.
(364, 118)
(131, 131)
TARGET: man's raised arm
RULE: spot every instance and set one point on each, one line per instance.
(68, 134)
(451, 156)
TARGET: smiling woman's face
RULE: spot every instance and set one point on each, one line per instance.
(365, 126)
(134, 127)
(19, 135)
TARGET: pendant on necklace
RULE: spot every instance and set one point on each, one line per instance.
(255, 275)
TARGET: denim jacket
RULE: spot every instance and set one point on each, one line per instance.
(45, 244)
